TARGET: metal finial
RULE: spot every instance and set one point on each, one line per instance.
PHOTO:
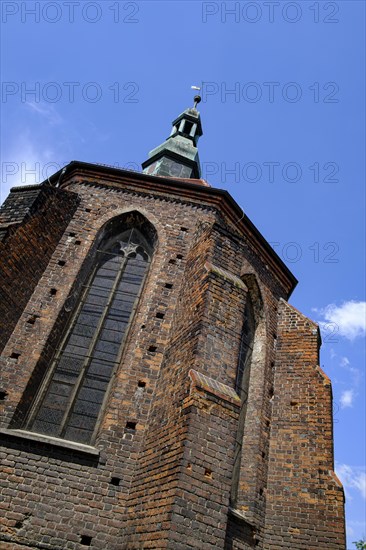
(197, 98)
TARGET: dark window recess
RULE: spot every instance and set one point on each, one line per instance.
(168, 285)
(179, 256)
(246, 348)
(160, 315)
(61, 262)
(242, 388)
(172, 261)
(83, 367)
(72, 234)
(141, 384)
(85, 540)
(152, 349)
(188, 127)
(3, 395)
(87, 210)
(131, 425)
(15, 355)
(184, 229)
(77, 243)
(53, 291)
(115, 481)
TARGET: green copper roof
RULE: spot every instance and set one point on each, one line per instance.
(178, 155)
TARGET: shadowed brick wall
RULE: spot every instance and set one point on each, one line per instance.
(32, 221)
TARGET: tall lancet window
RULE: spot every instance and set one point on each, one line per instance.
(242, 387)
(72, 398)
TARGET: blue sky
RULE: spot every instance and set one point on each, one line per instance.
(283, 118)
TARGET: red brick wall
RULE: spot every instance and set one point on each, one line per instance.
(304, 498)
(172, 473)
(36, 219)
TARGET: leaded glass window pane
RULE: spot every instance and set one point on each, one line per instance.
(83, 367)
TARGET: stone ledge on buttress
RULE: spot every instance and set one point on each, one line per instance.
(211, 386)
(226, 275)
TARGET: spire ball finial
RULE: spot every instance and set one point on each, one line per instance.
(197, 98)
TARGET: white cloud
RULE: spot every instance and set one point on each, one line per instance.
(344, 362)
(347, 398)
(29, 161)
(355, 373)
(332, 353)
(49, 112)
(352, 477)
(347, 320)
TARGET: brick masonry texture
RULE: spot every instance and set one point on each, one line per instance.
(164, 481)
(32, 222)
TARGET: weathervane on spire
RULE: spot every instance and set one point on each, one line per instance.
(197, 98)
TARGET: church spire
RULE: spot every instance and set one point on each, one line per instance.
(178, 155)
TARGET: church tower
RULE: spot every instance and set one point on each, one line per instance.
(157, 389)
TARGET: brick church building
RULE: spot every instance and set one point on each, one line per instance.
(157, 389)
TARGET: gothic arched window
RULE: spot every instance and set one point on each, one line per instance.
(242, 387)
(73, 395)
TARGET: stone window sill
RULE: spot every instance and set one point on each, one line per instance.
(52, 441)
